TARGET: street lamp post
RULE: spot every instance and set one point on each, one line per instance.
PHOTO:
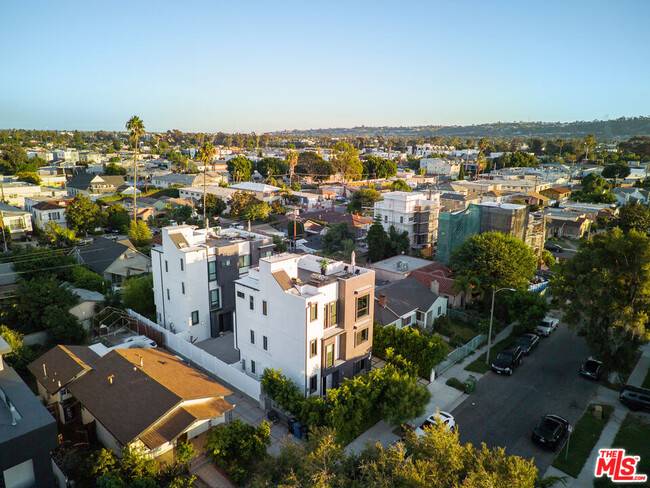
(494, 292)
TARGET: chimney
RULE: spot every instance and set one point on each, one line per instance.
(382, 300)
(110, 379)
(435, 287)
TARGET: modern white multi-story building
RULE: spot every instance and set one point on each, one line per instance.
(411, 212)
(442, 167)
(310, 318)
(194, 274)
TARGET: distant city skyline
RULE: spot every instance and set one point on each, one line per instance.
(210, 66)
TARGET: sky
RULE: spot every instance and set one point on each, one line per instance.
(242, 66)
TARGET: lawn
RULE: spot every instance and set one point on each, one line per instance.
(633, 437)
(583, 439)
(479, 366)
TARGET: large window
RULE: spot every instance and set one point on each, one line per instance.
(362, 336)
(363, 306)
(359, 366)
(331, 317)
(313, 348)
(244, 261)
(212, 271)
(406, 320)
(195, 317)
(313, 312)
(214, 299)
(329, 356)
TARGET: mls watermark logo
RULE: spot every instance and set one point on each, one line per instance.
(619, 467)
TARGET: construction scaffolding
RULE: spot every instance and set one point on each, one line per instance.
(509, 219)
(454, 228)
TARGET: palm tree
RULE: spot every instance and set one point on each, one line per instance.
(206, 155)
(136, 127)
(466, 285)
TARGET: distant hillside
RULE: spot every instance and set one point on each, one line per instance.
(604, 130)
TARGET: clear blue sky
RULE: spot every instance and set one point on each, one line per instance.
(268, 65)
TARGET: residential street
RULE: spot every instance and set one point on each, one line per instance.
(505, 409)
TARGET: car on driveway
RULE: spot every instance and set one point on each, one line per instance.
(507, 361)
(438, 418)
(546, 326)
(554, 248)
(551, 431)
(592, 369)
(635, 398)
(528, 342)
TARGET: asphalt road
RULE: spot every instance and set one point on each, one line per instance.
(504, 410)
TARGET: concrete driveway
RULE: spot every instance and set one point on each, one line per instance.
(504, 410)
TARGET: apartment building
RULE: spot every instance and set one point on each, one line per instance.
(194, 273)
(411, 212)
(308, 317)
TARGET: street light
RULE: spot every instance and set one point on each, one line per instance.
(494, 292)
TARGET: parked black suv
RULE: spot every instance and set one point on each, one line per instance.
(592, 369)
(554, 248)
(528, 342)
(507, 361)
(550, 431)
(635, 398)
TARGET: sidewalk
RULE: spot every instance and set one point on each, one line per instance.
(443, 397)
(610, 397)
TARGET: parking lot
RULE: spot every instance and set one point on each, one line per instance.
(504, 410)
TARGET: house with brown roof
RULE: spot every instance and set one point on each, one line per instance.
(142, 396)
(438, 278)
(557, 193)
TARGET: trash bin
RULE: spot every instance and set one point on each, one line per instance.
(470, 384)
(297, 429)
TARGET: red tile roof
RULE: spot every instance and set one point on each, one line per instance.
(435, 271)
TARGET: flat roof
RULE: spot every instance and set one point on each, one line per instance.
(390, 264)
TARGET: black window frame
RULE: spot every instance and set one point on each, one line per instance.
(265, 343)
(265, 307)
(252, 336)
(215, 303)
(212, 271)
(313, 348)
(195, 322)
(313, 383)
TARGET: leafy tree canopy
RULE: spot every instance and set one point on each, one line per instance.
(363, 199)
(605, 294)
(139, 233)
(138, 295)
(496, 259)
(312, 164)
(400, 185)
(346, 161)
(337, 234)
(633, 216)
(239, 168)
(83, 215)
(616, 171)
(29, 177)
(376, 167)
(113, 169)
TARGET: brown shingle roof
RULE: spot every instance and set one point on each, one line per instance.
(283, 279)
(168, 429)
(60, 365)
(48, 206)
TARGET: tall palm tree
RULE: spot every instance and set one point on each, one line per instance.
(206, 155)
(136, 127)
(466, 285)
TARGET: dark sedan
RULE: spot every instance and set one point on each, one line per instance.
(551, 431)
(554, 248)
(507, 361)
(592, 369)
(528, 342)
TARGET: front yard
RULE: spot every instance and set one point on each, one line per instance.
(583, 439)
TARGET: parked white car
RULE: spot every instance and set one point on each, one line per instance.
(437, 418)
(548, 325)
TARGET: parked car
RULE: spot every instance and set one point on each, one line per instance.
(438, 418)
(507, 361)
(592, 369)
(546, 326)
(550, 431)
(528, 342)
(635, 398)
(554, 248)
(86, 240)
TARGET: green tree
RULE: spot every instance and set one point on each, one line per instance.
(280, 244)
(633, 216)
(377, 240)
(234, 447)
(547, 258)
(363, 199)
(527, 308)
(240, 201)
(136, 128)
(336, 235)
(5, 238)
(57, 236)
(82, 215)
(376, 167)
(496, 260)
(33, 262)
(113, 169)
(29, 177)
(461, 173)
(12, 157)
(136, 464)
(259, 211)
(61, 326)
(271, 167)
(215, 205)
(346, 161)
(312, 164)
(89, 280)
(139, 233)
(138, 295)
(100, 463)
(184, 452)
(117, 217)
(239, 168)
(616, 171)
(399, 242)
(400, 185)
(604, 291)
